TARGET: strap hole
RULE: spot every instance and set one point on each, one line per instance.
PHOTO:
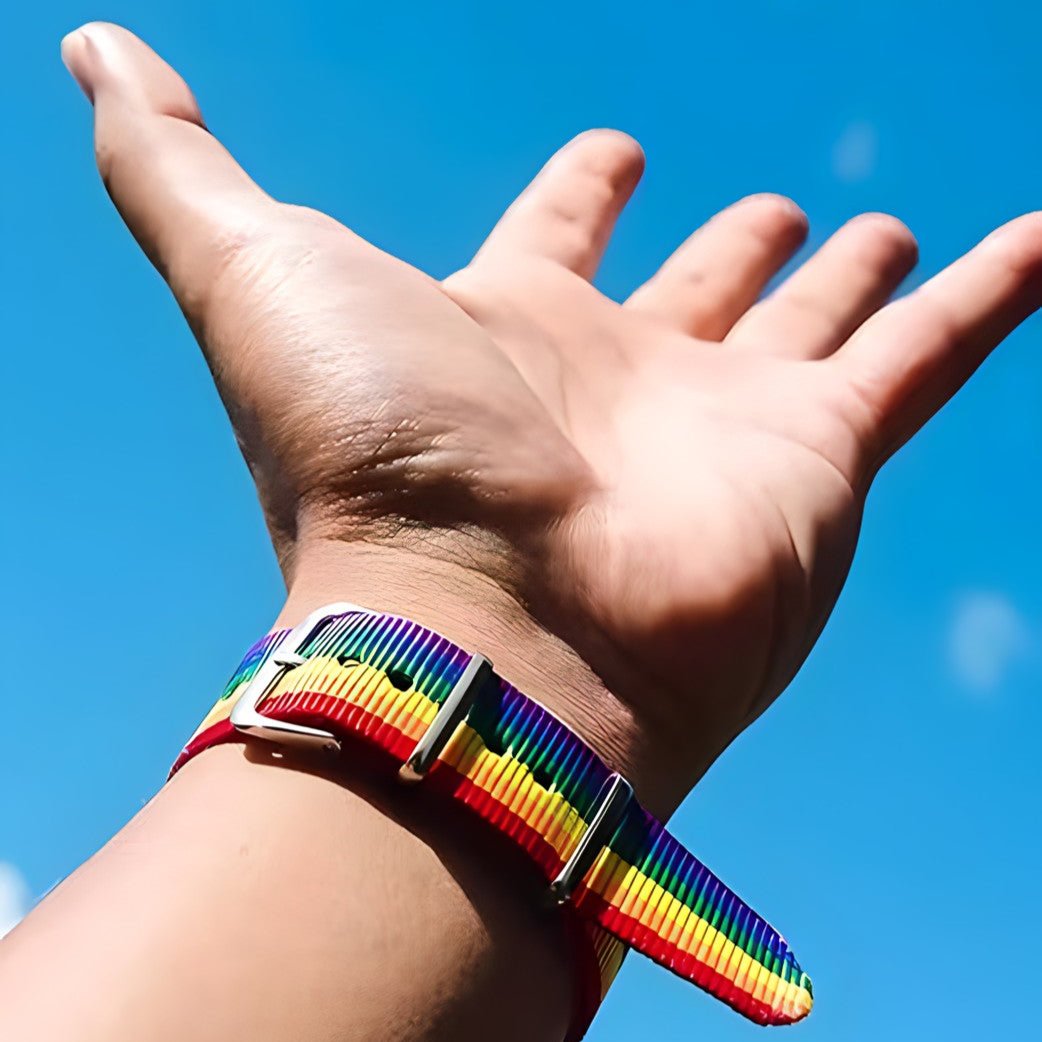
(399, 679)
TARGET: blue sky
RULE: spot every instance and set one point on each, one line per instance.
(135, 560)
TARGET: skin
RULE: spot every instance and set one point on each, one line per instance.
(642, 511)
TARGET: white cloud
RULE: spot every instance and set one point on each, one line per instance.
(855, 152)
(14, 897)
(987, 635)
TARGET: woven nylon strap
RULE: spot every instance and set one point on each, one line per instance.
(381, 679)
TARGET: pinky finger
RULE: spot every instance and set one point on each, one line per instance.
(911, 357)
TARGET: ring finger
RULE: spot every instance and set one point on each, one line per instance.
(822, 303)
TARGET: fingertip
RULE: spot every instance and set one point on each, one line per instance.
(777, 215)
(106, 59)
(884, 222)
(91, 49)
(76, 50)
(1020, 243)
(782, 204)
(612, 154)
(609, 137)
(890, 235)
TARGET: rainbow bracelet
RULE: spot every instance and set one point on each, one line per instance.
(347, 674)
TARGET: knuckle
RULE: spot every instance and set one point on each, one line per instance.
(201, 266)
(572, 233)
(804, 305)
(308, 216)
(128, 146)
(105, 156)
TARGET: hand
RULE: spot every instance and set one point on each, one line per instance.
(671, 487)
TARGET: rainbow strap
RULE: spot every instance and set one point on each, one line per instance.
(381, 679)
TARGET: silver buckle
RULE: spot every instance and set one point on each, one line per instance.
(245, 716)
(612, 801)
(451, 713)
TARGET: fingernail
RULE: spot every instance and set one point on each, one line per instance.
(75, 49)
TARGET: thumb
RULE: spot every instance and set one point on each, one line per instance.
(184, 198)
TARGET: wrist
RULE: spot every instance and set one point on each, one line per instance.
(476, 612)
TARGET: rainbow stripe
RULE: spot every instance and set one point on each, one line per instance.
(382, 678)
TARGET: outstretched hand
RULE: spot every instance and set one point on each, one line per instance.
(671, 486)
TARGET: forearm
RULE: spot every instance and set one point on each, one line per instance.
(273, 899)
(254, 901)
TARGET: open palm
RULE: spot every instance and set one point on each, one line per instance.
(672, 486)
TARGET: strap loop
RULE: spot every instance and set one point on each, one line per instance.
(612, 802)
(451, 713)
